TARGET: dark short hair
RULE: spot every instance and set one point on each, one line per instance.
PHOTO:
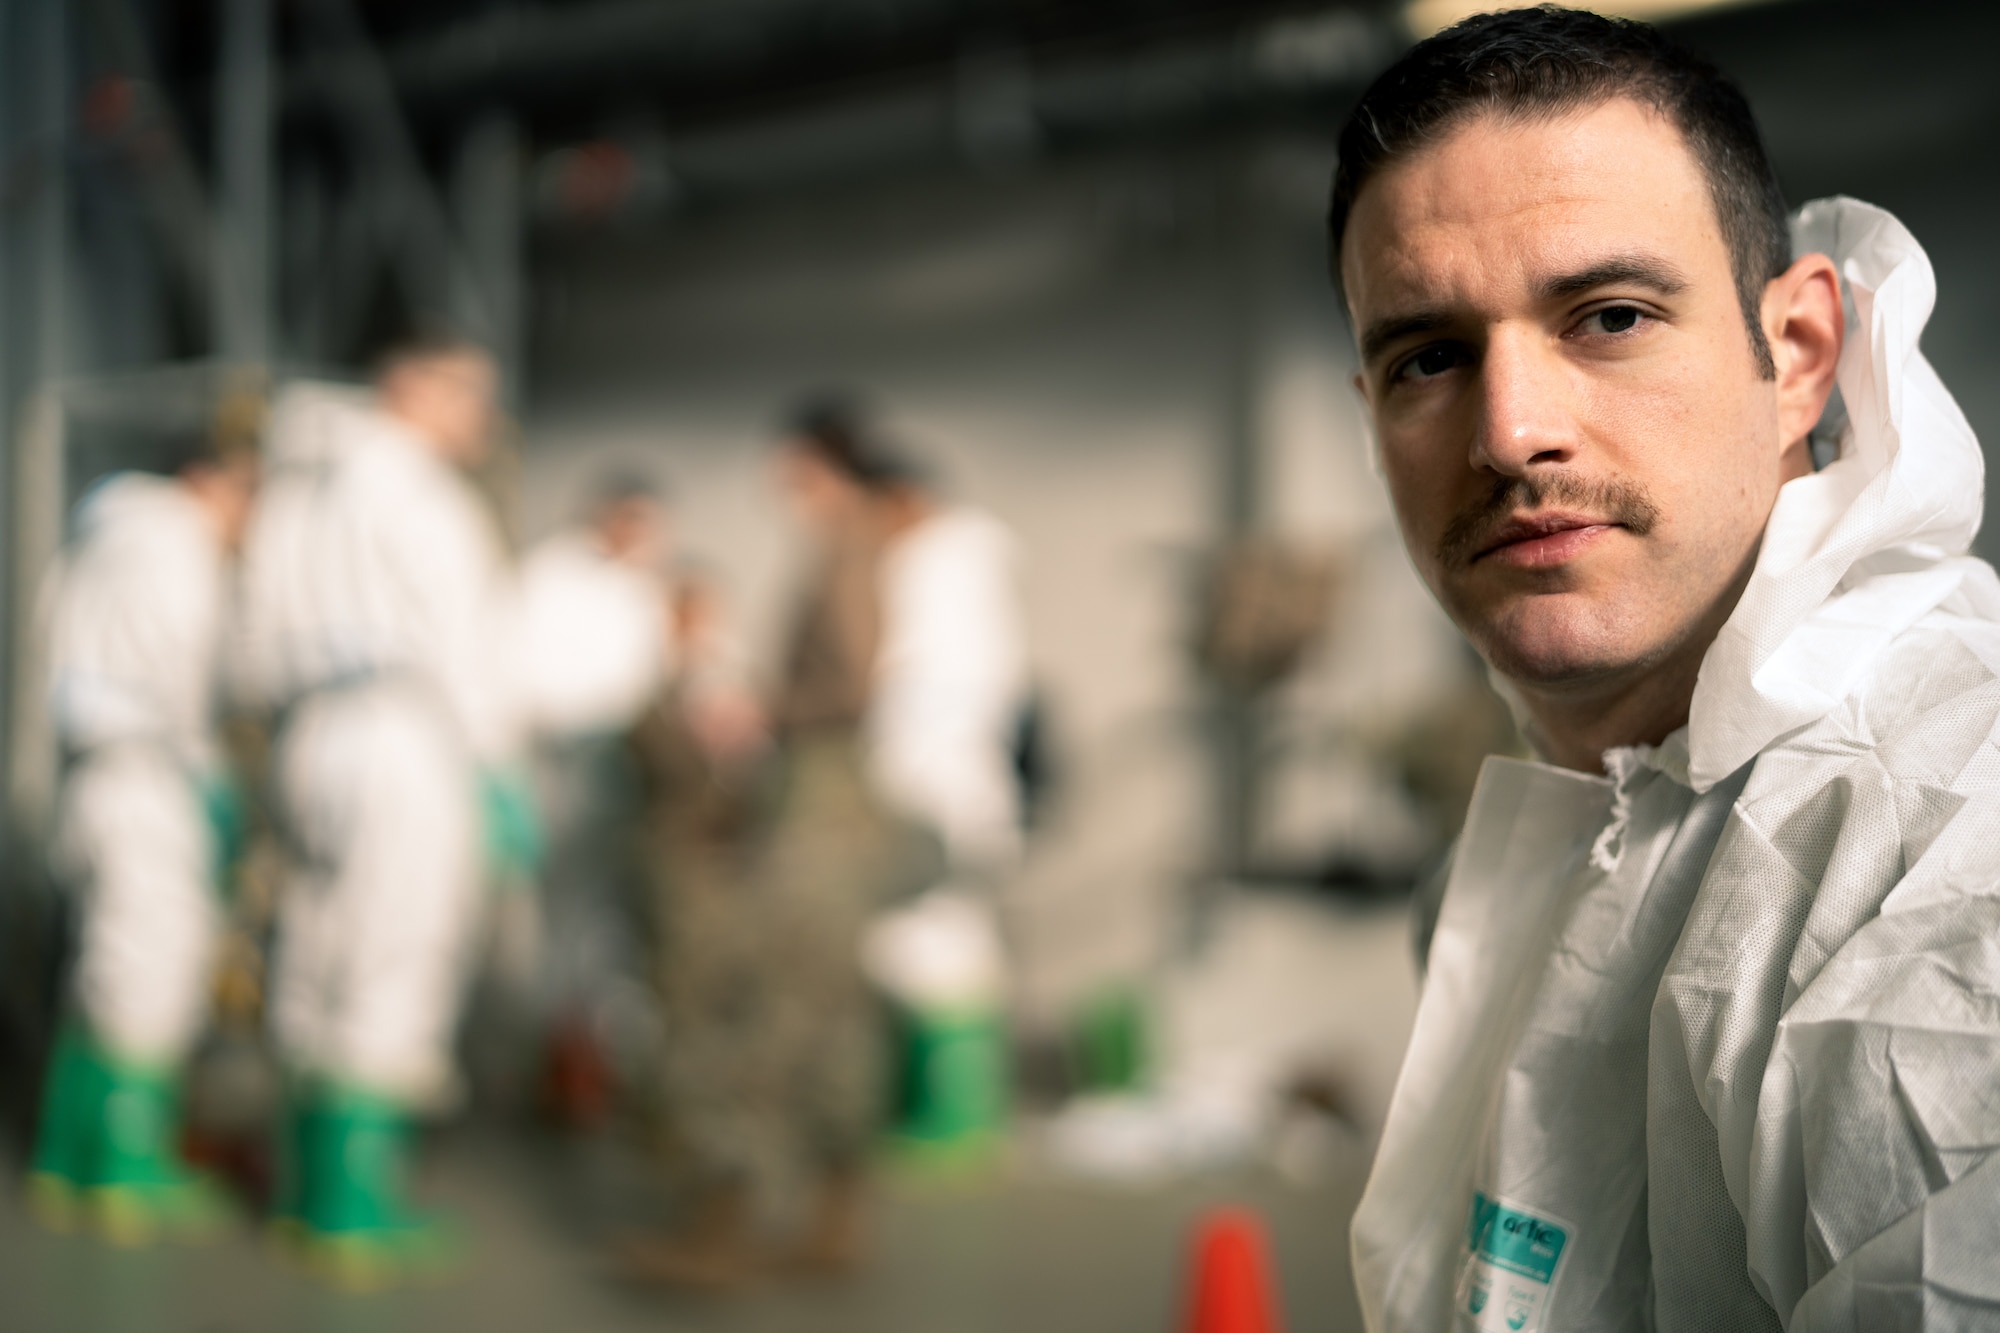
(839, 428)
(625, 483)
(1548, 61)
(426, 341)
(185, 451)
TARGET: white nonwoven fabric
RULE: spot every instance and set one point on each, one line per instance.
(135, 614)
(382, 897)
(370, 555)
(135, 845)
(135, 611)
(378, 615)
(593, 638)
(1860, 550)
(950, 677)
(1711, 1041)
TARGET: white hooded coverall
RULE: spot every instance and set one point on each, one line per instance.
(135, 621)
(376, 614)
(950, 680)
(593, 639)
(595, 653)
(1713, 1041)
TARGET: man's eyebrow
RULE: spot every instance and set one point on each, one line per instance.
(1379, 336)
(1639, 269)
(1644, 270)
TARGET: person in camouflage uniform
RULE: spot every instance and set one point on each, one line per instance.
(773, 1059)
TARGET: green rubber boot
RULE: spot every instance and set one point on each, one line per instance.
(104, 1153)
(61, 1167)
(953, 1087)
(344, 1209)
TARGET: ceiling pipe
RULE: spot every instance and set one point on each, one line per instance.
(997, 109)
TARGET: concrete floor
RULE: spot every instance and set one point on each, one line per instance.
(1286, 983)
(1019, 1250)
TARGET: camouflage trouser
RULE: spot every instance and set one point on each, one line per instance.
(773, 1063)
(591, 803)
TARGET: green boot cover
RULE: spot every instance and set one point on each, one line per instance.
(347, 1205)
(61, 1168)
(105, 1151)
(289, 1193)
(952, 1093)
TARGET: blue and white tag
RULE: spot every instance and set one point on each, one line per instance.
(1512, 1259)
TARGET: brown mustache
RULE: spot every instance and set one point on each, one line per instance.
(1610, 501)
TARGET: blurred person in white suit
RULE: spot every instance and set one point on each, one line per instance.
(951, 675)
(596, 645)
(596, 650)
(950, 692)
(940, 695)
(148, 820)
(379, 625)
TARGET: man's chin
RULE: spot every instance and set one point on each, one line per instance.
(1557, 657)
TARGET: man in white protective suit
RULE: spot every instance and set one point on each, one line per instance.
(378, 610)
(1710, 1031)
(951, 676)
(596, 650)
(593, 604)
(950, 686)
(147, 822)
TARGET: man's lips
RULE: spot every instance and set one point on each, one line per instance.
(1541, 541)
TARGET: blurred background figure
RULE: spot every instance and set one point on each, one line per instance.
(711, 684)
(729, 1132)
(597, 647)
(946, 716)
(377, 622)
(806, 1045)
(597, 638)
(950, 672)
(149, 820)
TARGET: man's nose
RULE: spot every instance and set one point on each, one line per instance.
(1527, 414)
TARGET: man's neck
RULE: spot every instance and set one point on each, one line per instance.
(906, 511)
(1573, 723)
(420, 433)
(212, 503)
(1574, 727)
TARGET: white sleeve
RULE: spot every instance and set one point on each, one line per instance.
(592, 639)
(458, 592)
(134, 623)
(1888, 1066)
(950, 678)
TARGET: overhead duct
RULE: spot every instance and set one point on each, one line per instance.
(729, 47)
(993, 111)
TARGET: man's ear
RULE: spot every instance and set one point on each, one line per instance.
(1804, 325)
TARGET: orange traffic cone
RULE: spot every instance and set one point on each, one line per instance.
(1232, 1287)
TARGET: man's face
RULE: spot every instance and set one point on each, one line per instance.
(1580, 447)
(226, 491)
(633, 531)
(822, 498)
(448, 399)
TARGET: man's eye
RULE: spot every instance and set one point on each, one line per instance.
(1431, 361)
(1613, 319)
